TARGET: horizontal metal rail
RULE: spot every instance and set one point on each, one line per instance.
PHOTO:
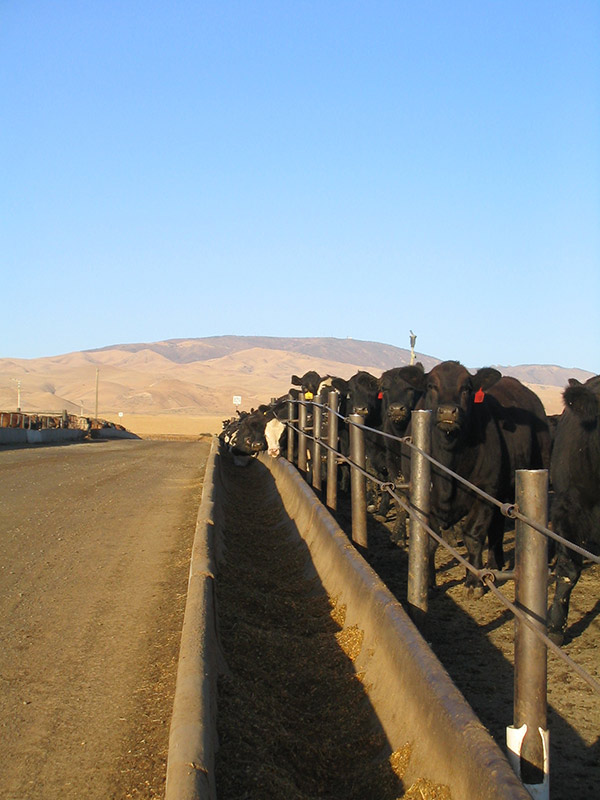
(509, 510)
(486, 576)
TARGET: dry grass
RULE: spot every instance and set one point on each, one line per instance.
(295, 722)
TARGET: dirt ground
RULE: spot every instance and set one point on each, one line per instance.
(474, 640)
(169, 425)
(95, 541)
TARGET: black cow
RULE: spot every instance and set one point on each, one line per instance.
(575, 477)
(524, 426)
(309, 383)
(363, 396)
(401, 389)
(316, 388)
(484, 428)
(245, 435)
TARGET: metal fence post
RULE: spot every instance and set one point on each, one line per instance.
(302, 419)
(316, 467)
(528, 738)
(420, 490)
(332, 441)
(290, 431)
(358, 482)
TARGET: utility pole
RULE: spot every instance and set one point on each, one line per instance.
(97, 373)
(18, 382)
(413, 341)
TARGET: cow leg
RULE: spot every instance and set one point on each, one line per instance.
(384, 504)
(495, 541)
(400, 528)
(477, 526)
(344, 478)
(373, 499)
(568, 570)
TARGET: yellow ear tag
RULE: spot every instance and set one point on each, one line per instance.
(308, 395)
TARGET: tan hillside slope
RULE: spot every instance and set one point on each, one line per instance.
(147, 383)
(199, 377)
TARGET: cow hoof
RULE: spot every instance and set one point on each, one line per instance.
(557, 637)
(475, 592)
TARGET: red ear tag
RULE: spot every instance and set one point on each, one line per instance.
(479, 395)
(380, 396)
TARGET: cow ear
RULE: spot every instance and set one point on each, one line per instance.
(296, 381)
(416, 376)
(340, 385)
(582, 402)
(485, 378)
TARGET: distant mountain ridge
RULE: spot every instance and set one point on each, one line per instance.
(201, 376)
(345, 351)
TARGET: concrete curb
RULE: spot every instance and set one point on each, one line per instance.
(193, 735)
(411, 693)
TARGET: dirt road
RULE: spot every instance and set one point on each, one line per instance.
(95, 542)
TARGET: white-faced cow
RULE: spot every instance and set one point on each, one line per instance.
(276, 414)
(575, 477)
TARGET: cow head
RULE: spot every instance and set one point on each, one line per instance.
(400, 389)
(309, 383)
(452, 390)
(363, 396)
(583, 399)
(249, 438)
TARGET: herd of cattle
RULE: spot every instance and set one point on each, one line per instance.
(485, 426)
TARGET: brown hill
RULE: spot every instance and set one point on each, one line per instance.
(201, 376)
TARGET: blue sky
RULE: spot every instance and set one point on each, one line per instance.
(189, 169)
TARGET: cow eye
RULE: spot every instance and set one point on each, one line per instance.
(431, 387)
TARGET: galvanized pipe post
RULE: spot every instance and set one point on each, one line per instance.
(332, 441)
(358, 482)
(290, 431)
(528, 737)
(302, 419)
(316, 467)
(420, 490)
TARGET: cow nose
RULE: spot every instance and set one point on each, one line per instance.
(397, 411)
(448, 414)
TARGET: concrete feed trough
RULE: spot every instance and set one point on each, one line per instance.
(412, 695)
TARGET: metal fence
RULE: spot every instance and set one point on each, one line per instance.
(527, 738)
